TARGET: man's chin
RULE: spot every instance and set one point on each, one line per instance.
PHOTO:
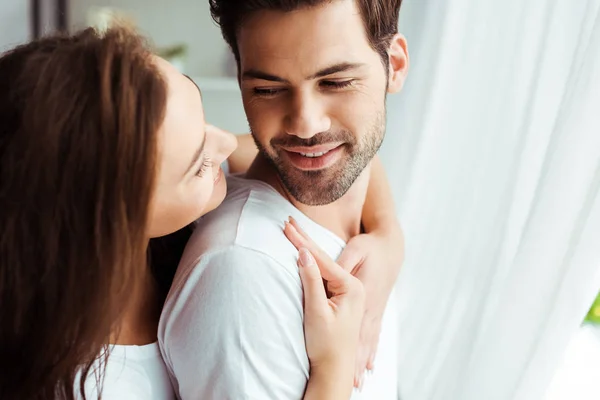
(314, 192)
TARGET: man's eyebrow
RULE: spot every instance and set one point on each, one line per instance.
(199, 91)
(199, 152)
(341, 67)
(334, 69)
(256, 74)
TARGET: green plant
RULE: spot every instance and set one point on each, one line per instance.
(593, 315)
(172, 51)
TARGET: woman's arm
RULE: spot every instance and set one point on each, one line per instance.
(379, 211)
(375, 258)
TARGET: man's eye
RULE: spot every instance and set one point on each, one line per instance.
(267, 92)
(336, 84)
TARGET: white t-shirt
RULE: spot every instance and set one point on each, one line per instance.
(232, 325)
(132, 373)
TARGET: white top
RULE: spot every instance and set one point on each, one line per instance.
(232, 325)
(132, 373)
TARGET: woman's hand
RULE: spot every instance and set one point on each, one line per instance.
(332, 318)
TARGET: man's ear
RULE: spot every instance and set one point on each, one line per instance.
(399, 63)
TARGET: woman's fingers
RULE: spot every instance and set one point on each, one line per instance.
(330, 271)
(291, 232)
(298, 228)
(315, 298)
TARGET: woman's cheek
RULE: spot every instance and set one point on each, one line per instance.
(201, 194)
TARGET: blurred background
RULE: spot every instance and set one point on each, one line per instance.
(493, 154)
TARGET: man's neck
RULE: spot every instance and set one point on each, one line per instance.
(342, 217)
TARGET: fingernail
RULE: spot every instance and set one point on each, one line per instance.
(306, 259)
(289, 224)
(371, 365)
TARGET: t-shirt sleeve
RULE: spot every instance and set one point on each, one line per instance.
(234, 329)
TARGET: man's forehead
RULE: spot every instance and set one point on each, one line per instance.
(330, 27)
(300, 47)
(303, 61)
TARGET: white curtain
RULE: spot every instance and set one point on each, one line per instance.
(493, 151)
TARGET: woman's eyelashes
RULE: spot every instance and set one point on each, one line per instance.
(206, 164)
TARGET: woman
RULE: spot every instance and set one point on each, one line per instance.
(98, 154)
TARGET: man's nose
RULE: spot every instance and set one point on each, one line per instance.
(306, 116)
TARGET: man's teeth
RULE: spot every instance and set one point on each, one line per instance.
(313, 155)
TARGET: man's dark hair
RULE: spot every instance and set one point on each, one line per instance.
(380, 18)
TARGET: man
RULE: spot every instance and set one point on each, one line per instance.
(314, 76)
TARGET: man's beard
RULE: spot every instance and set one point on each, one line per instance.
(324, 186)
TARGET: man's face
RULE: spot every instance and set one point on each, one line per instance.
(314, 93)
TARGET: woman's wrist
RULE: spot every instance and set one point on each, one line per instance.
(331, 381)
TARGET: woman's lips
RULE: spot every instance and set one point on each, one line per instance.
(219, 175)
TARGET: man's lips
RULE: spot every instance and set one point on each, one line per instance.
(321, 148)
(315, 157)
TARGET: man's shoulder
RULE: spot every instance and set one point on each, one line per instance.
(234, 267)
(227, 282)
(250, 219)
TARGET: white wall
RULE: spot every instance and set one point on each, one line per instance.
(14, 23)
(168, 23)
(209, 59)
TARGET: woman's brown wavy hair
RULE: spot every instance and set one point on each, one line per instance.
(79, 119)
